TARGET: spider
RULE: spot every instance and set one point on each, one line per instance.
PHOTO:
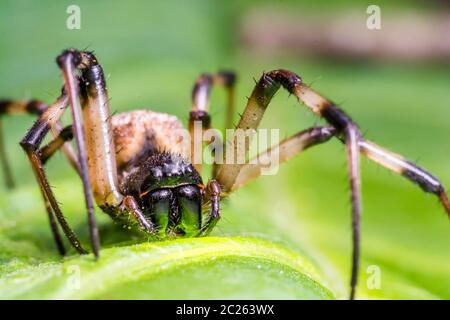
(140, 173)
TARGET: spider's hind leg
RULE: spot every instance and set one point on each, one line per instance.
(200, 109)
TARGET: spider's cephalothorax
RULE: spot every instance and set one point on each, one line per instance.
(139, 171)
(169, 191)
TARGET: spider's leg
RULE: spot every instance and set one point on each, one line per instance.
(212, 194)
(409, 170)
(228, 80)
(46, 153)
(68, 61)
(352, 137)
(6, 167)
(30, 143)
(350, 133)
(34, 107)
(283, 152)
(96, 151)
(53, 225)
(15, 107)
(131, 206)
(57, 143)
(257, 104)
(66, 149)
(200, 109)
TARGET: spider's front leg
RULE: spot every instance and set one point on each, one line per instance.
(211, 199)
(258, 102)
(342, 122)
(232, 176)
(92, 130)
(409, 170)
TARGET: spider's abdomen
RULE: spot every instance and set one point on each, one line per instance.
(140, 133)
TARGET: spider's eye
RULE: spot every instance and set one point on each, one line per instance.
(189, 203)
(159, 202)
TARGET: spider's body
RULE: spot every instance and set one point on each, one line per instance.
(142, 171)
(153, 167)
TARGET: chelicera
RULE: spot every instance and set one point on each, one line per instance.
(142, 174)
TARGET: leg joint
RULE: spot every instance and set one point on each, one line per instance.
(67, 133)
(338, 118)
(203, 82)
(35, 135)
(289, 80)
(228, 77)
(202, 116)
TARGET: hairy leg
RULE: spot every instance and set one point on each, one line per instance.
(284, 151)
(31, 143)
(212, 199)
(406, 168)
(345, 128)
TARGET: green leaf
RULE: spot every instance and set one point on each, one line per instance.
(189, 268)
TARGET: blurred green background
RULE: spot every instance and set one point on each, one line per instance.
(152, 53)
